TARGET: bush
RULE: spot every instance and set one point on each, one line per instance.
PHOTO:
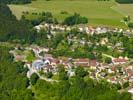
(125, 85)
(33, 79)
(108, 60)
(49, 74)
(130, 25)
(80, 72)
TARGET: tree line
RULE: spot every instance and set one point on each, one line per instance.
(79, 87)
(124, 1)
(15, 1)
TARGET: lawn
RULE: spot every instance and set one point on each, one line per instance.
(98, 12)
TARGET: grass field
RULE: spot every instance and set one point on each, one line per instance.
(98, 12)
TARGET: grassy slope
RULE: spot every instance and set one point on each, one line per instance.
(99, 13)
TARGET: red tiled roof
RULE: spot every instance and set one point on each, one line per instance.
(85, 62)
(112, 79)
(120, 60)
(113, 69)
(82, 60)
(55, 61)
(19, 57)
(93, 63)
(48, 56)
(82, 64)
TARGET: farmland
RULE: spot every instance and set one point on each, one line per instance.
(98, 12)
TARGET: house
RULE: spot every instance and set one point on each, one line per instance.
(19, 57)
(104, 41)
(39, 27)
(93, 63)
(119, 60)
(91, 30)
(36, 50)
(130, 90)
(131, 79)
(54, 62)
(112, 80)
(82, 62)
(48, 56)
(40, 64)
(71, 72)
(47, 69)
(85, 62)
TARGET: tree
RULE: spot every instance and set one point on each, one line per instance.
(80, 72)
(108, 60)
(125, 96)
(49, 74)
(118, 86)
(126, 84)
(33, 79)
(62, 73)
(130, 25)
(75, 19)
(126, 19)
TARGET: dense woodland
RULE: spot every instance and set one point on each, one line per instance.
(13, 81)
(15, 1)
(11, 28)
(124, 1)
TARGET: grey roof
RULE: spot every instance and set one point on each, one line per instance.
(38, 64)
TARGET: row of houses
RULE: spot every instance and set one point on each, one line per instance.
(82, 28)
(68, 63)
(119, 60)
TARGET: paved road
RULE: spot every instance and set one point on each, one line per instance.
(108, 55)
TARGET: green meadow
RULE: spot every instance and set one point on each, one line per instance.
(106, 13)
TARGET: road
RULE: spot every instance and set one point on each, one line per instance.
(108, 55)
(31, 71)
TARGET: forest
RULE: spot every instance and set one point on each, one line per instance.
(15, 1)
(13, 81)
(124, 1)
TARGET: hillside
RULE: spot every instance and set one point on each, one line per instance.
(98, 12)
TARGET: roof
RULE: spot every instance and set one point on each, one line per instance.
(85, 62)
(120, 60)
(113, 68)
(130, 91)
(19, 57)
(38, 64)
(54, 60)
(82, 62)
(48, 56)
(93, 62)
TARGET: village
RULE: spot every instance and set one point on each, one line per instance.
(39, 60)
(66, 50)
(119, 71)
(55, 28)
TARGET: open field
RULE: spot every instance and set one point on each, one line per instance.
(98, 12)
